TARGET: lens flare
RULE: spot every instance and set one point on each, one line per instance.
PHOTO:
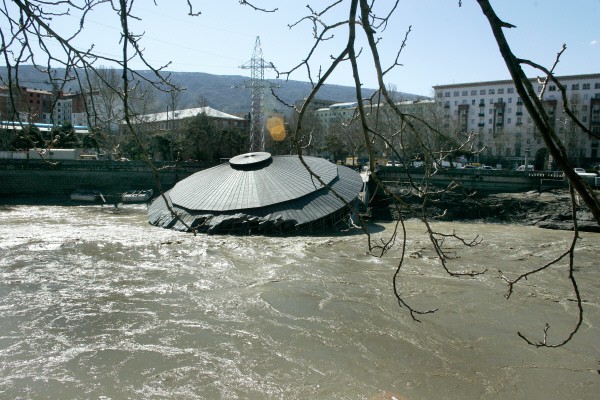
(276, 128)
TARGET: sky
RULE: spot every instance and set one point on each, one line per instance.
(447, 44)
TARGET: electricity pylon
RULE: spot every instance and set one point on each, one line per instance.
(257, 86)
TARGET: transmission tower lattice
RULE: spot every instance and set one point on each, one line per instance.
(257, 66)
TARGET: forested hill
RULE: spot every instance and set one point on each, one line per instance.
(228, 93)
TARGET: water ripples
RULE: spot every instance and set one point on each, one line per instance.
(95, 303)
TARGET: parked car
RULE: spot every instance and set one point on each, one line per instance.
(583, 173)
(486, 167)
(522, 168)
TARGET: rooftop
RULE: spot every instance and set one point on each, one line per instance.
(262, 193)
(187, 113)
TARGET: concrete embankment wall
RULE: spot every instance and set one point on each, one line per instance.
(19, 178)
(39, 178)
(482, 181)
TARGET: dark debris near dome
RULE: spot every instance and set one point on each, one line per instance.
(256, 193)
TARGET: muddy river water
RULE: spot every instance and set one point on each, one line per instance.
(97, 304)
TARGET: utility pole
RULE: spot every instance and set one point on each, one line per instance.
(257, 86)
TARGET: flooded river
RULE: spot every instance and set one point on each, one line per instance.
(97, 304)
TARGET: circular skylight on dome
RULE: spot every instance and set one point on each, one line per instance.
(255, 159)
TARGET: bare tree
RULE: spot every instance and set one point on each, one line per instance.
(370, 19)
(28, 35)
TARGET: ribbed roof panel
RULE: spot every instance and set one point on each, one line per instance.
(225, 188)
(294, 213)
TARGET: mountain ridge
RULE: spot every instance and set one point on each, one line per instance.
(227, 93)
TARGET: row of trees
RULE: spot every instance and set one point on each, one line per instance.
(30, 136)
(343, 138)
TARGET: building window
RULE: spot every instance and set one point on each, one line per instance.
(491, 91)
(473, 102)
(473, 92)
(491, 111)
(491, 101)
(508, 121)
(447, 94)
(490, 121)
(552, 88)
(440, 94)
(510, 90)
(575, 86)
(482, 91)
(586, 86)
(456, 93)
(465, 93)
(597, 85)
(501, 91)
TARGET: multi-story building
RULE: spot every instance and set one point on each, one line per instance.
(336, 113)
(42, 106)
(506, 133)
(339, 113)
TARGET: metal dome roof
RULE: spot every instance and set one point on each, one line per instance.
(251, 180)
(259, 190)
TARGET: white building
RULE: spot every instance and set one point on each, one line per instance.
(505, 129)
(177, 119)
(339, 113)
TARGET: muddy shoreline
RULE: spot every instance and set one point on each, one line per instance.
(549, 210)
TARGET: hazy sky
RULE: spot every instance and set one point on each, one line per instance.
(447, 44)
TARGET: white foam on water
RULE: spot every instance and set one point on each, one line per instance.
(96, 303)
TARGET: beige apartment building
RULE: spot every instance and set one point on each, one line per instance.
(505, 131)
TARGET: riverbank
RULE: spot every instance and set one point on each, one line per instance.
(549, 210)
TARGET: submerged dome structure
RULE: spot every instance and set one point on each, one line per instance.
(259, 193)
